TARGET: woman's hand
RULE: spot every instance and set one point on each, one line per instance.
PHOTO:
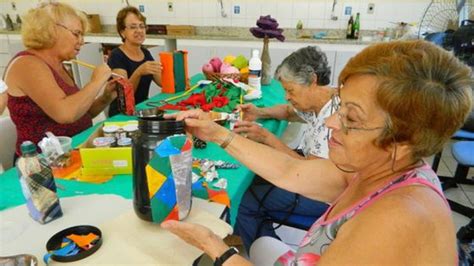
(252, 130)
(101, 73)
(110, 91)
(198, 124)
(150, 68)
(251, 112)
(196, 235)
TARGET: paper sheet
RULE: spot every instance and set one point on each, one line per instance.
(131, 241)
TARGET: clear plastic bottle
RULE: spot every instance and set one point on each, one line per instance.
(38, 186)
(255, 70)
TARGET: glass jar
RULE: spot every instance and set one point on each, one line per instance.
(110, 131)
(130, 130)
(151, 131)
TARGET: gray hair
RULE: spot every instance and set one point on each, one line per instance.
(301, 66)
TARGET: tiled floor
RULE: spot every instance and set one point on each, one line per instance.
(464, 194)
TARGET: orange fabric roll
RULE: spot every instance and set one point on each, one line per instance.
(167, 75)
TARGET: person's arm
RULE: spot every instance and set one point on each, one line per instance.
(117, 61)
(280, 112)
(104, 99)
(400, 228)
(255, 132)
(317, 179)
(42, 88)
(204, 239)
(147, 68)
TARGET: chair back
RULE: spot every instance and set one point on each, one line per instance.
(7, 142)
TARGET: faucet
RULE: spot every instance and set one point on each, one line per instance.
(333, 15)
(223, 14)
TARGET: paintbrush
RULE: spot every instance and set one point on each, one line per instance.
(84, 64)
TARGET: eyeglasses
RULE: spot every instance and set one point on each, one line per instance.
(137, 27)
(77, 33)
(346, 123)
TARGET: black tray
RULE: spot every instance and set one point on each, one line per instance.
(55, 242)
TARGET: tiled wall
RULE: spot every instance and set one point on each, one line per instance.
(313, 13)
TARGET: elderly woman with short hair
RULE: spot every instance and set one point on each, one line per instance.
(400, 102)
(42, 96)
(304, 74)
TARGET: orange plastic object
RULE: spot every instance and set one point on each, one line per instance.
(83, 240)
(74, 166)
(167, 74)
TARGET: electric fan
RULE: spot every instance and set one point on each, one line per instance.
(443, 15)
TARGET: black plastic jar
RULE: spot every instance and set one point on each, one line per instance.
(152, 128)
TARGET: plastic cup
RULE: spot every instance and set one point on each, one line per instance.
(65, 143)
(51, 153)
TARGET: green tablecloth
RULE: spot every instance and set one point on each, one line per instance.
(238, 179)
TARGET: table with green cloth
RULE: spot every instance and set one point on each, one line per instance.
(238, 180)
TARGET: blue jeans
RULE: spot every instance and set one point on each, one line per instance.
(263, 204)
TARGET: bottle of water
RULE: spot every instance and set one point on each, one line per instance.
(255, 70)
(38, 186)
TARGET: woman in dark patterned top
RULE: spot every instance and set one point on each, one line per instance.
(42, 96)
(131, 59)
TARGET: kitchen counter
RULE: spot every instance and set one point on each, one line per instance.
(230, 34)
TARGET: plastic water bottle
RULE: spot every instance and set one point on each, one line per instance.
(255, 70)
(38, 186)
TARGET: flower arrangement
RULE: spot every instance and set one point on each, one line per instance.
(267, 28)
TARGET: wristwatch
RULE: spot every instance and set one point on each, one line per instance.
(222, 258)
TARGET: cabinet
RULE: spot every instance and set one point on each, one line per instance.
(201, 51)
(90, 53)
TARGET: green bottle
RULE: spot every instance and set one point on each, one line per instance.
(356, 27)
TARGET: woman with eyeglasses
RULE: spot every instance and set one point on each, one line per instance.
(399, 103)
(304, 75)
(131, 59)
(42, 95)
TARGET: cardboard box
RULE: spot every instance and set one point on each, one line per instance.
(156, 29)
(94, 23)
(104, 161)
(185, 30)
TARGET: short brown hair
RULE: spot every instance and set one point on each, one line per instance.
(122, 14)
(426, 91)
(38, 27)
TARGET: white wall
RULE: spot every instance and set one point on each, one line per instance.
(313, 13)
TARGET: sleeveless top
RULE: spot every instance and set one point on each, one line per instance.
(32, 122)
(324, 230)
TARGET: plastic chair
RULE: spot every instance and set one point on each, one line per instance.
(463, 152)
(459, 135)
(8, 141)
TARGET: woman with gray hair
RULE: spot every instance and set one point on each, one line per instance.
(304, 75)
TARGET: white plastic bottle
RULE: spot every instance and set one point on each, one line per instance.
(255, 70)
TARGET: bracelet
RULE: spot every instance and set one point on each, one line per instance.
(227, 140)
(222, 258)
